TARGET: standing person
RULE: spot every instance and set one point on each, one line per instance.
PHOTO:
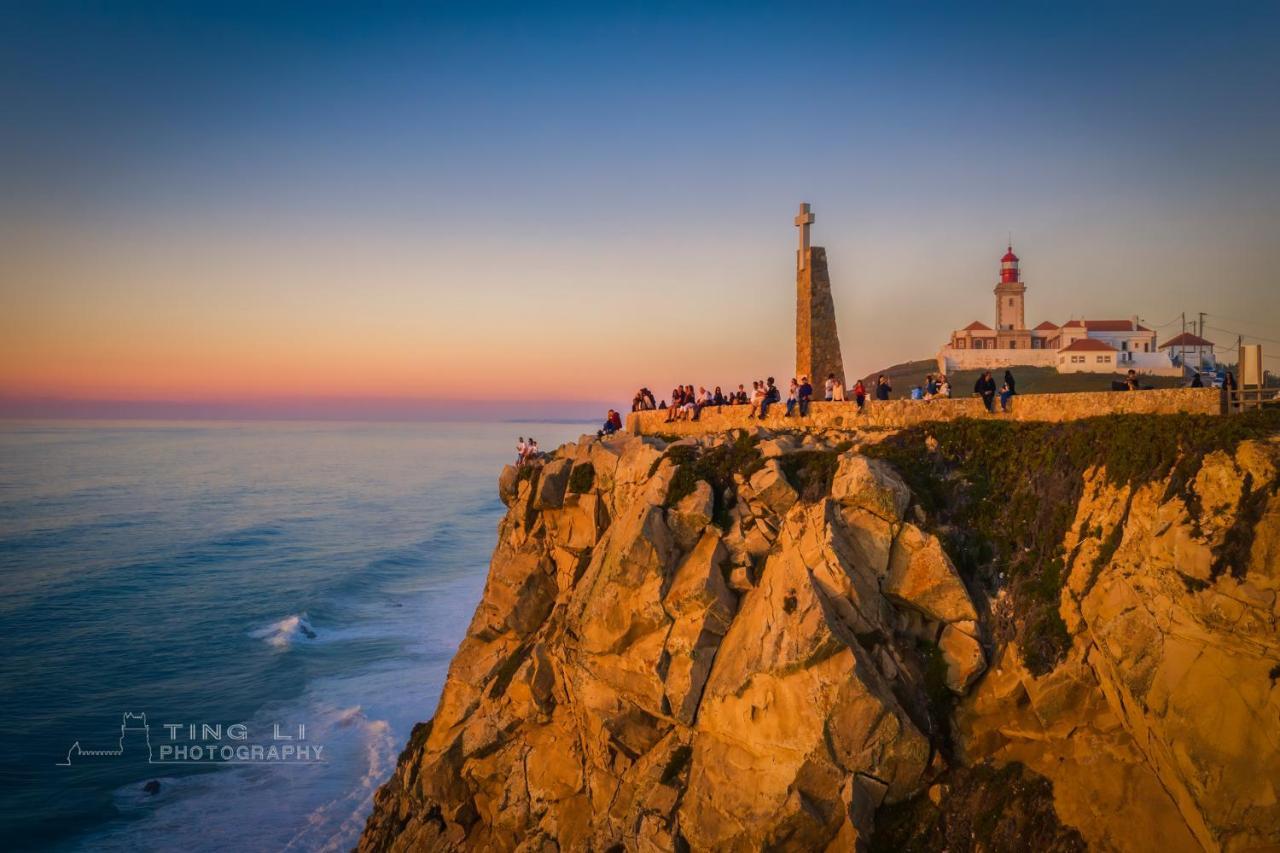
(883, 388)
(860, 395)
(829, 388)
(804, 394)
(985, 388)
(1229, 388)
(837, 391)
(521, 448)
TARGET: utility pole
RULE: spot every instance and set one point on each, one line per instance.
(1201, 332)
(1182, 343)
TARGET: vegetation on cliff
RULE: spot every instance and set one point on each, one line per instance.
(1002, 496)
(977, 808)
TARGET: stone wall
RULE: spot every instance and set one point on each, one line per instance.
(904, 413)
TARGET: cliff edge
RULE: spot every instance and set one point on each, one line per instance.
(970, 635)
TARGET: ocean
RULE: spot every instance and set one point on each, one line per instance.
(245, 586)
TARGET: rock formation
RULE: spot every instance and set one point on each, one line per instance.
(750, 641)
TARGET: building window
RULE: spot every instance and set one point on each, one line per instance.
(1077, 359)
(960, 343)
(1102, 359)
(1124, 346)
(1145, 347)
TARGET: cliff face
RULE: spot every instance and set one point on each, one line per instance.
(747, 641)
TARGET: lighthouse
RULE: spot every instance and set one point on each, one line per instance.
(1009, 295)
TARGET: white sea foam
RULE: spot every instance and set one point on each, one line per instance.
(282, 634)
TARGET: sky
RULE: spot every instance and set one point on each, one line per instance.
(340, 207)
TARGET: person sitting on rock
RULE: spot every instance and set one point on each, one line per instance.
(521, 447)
(612, 424)
(803, 395)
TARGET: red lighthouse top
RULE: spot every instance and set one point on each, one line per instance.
(1009, 266)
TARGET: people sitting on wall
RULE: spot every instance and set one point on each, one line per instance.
(883, 388)
(771, 395)
(917, 393)
(1006, 393)
(829, 388)
(985, 388)
(837, 391)
(803, 395)
(860, 395)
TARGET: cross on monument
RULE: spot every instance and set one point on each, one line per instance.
(803, 220)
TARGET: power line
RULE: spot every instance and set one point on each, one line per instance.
(1236, 320)
(1243, 335)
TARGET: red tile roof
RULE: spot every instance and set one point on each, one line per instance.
(1046, 326)
(975, 326)
(1072, 323)
(1088, 345)
(1186, 339)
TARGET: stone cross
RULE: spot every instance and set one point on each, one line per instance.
(803, 220)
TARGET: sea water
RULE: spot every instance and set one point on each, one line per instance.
(292, 583)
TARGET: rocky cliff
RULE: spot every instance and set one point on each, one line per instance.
(960, 636)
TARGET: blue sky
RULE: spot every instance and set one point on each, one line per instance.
(620, 178)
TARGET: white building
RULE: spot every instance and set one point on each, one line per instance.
(1126, 344)
(1192, 350)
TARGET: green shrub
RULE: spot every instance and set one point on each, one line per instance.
(582, 478)
(716, 465)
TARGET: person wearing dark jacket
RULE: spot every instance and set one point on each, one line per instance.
(771, 395)
(883, 388)
(985, 388)
(1008, 380)
(804, 394)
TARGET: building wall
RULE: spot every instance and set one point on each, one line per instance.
(1089, 361)
(951, 359)
(905, 413)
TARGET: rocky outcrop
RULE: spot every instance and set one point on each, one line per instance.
(657, 662)
(1161, 729)
(766, 641)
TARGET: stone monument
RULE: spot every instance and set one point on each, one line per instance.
(817, 343)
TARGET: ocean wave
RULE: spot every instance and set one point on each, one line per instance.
(282, 634)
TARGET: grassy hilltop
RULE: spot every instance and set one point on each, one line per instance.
(1031, 380)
